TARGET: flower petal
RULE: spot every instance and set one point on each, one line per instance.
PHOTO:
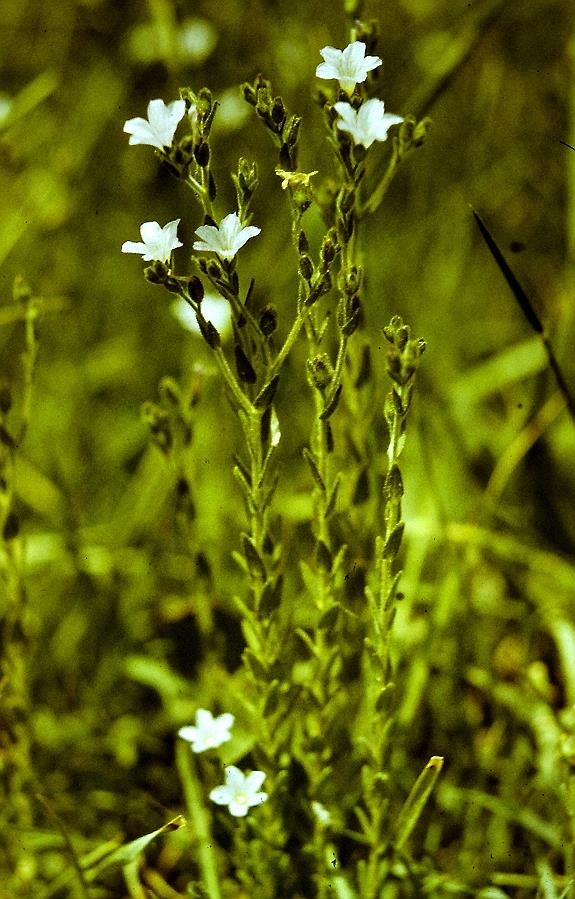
(234, 778)
(129, 246)
(254, 780)
(150, 231)
(220, 795)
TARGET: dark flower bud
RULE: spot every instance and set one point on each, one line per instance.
(196, 289)
(328, 248)
(209, 333)
(214, 269)
(321, 371)
(306, 267)
(302, 243)
(244, 368)
(268, 320)
(173, 285)
(157, 273)
(278, 113)
(202, 154)
(211, 187)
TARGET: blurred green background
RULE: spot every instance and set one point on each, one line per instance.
(108, 576)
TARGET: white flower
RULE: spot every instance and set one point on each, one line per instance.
(227, 238)
(159, 129)
(214, 309)
(158, 242)
(321, 813)
(240, 791)
(209, 732)
(368, 123)
(349, 66)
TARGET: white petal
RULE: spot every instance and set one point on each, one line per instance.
(371, 62)
(230, 227)
(207, 233)
(129, 246)
(347, 113)
(150, 231)
(238, 809)
(204, 718)
(254, 780)
(234, 778)
(326, 70)
(227, 719)
(354, 54)
(155, 112)
(188, 733)
(220, 795)
(244, 235)
(331, 55)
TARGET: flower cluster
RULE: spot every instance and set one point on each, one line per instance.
(350, 66)
(241, 791)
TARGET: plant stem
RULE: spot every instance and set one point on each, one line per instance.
(193, 794)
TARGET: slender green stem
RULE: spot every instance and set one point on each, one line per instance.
(230, 379)
(193, 794)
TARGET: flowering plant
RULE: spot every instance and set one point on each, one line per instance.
(290, 711)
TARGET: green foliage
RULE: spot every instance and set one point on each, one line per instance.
(367, 560)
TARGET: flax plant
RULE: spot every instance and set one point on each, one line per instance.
(319, 694)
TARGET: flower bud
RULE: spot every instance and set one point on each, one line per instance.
(268, 320)
(306, 267)
(321, 371)
(196, 289)
(302, 243)
(202, 154)
(214, 269)
(278, 113)
(328, 249)
(173, 285)
(157, 273)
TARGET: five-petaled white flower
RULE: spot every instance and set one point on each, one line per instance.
(240, 791)
(349, 66)
(368, 123)
(209, 732)
(159, 128)
(225, 239)
(158, 242)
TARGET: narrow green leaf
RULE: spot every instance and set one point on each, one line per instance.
(393, 542)
(415, 802)
(523, 300)
(332, 404)
(123, 855)
(272, 699)
(314, 469)
(255, 562)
